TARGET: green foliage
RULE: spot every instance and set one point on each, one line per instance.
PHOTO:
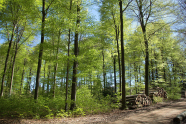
(108, 91)
(24, 107)
(157, 99)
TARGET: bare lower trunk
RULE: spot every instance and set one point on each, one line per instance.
(43, 89)
(6, 61)
(22, 77)
(13, 65)
(40, 50)
(54, 87)
(74, 79)
(115, 74)
(48, 80)
(122, 59)
(104, 83)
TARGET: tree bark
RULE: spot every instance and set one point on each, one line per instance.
(130, 81)
(122, 59)
(6, 61)
(74, 79)
(143, 23)
(66, 97)
(44, 79)
(13, 65)
(104, 83)
(115, 74)
(22, 77)
(56, 65)
(117, 39)
(40, 50)
(48, 80)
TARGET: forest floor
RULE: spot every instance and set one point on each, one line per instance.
(161, 113)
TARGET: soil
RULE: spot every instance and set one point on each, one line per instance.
(161, 113)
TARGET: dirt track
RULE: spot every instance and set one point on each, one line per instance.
(158, 114)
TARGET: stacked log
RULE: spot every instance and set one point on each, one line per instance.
(143, 100)
(138, 100)
(161, 93)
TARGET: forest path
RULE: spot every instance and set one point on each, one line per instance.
(162, 113)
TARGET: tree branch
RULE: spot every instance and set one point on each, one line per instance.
(127, 5)
(46, 11)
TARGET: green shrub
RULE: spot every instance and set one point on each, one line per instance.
(157, 99)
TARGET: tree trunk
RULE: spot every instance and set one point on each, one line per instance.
(22, 77)
(140, 76)
(40, 50)
(66, 98)
(66, 104)
(115, 74)
(74, 79)
(104, 81)
(29, 79)
(146, 63)
(6, 61)
(130, 81)
(152, 70)
(44, 79)
(13, 65)
(54, 87)
(48, 80)
(117, 39)
(122, 59)
(55, 66)
(143, 27)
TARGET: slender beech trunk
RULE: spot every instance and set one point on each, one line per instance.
(66, 104)
(22, 77)
(54, 87)
(156, 65)
(69, 32)
(9, 71)
(137, 88)
(6, 61)
(117, 39)
(130, 81)
(56, 65)
(163, 61)
(152, 70)
(61, 85)
(104, 83)
(146, 63)
(74, 78)
(43, 88)
(140, 76)
(30, 79)
(19, 36)
(48, 80)
(143, 27)
(13, 65)
(122, 59)
(115, 74)
(40, 50)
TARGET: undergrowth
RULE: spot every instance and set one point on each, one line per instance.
(86, 103)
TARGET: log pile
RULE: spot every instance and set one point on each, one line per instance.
(161, 93)
(138, 100)
(143, 100)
